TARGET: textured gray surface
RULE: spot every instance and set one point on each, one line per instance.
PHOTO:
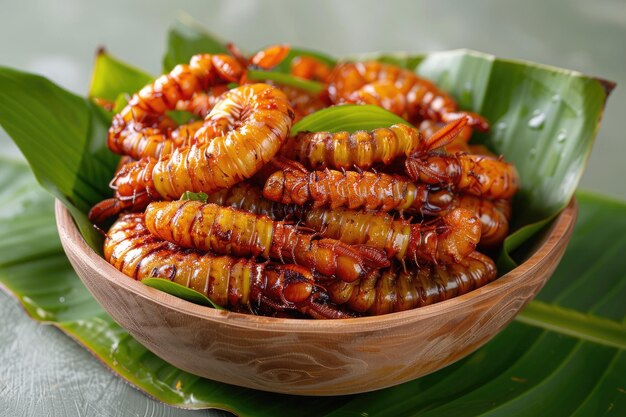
(42, 372)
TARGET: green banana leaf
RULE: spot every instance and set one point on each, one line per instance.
(565, 354)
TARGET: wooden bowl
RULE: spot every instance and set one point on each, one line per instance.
(314, 357)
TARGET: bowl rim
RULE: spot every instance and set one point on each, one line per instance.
(74, 242)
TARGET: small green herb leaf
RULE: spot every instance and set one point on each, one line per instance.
(349, 117)
(179, 291)
(312, 87)
(188, 195)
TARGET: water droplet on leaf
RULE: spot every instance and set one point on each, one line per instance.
(536, 122)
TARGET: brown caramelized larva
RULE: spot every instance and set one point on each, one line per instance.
(396, 289)
(243, 284)
(310, 68)
(362, 149)
(478, 175)
(229, 231)
(302, 102)
(354, 190)
(253, 121)
(444, 240)
(423, 100)
(494, 217)
(149, 106)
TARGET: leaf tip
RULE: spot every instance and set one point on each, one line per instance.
(607, 85)
(101, 50)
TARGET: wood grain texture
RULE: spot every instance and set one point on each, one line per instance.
(305, 357)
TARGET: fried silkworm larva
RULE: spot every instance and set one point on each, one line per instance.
(367, 190)
(374, 229)
(302, 102)
(479, 175)
(493, 214)
(245, 196)
(310, 68)
(227, 281)
(226, 230)
(423, 99)
(443, 240)
(260, 118)
(269, 57)
(380, 93)
(395, 289)
(361, 149)
(202, 102)
(148, 107)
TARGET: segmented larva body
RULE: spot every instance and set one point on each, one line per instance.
(345, 150)
(242, 133)
(494, 216)
(225, 230)
(302, 102)
(354, 190)
(245, 196)
(148, 107)
(395, 289)
(269, 57)
(246, 129)
(423, 100)
(362, 149)
(134, 189)
(225, 280)
(336, 223)
(382, 94)
(310, 68)
(201, 103)
(479, 175)
(444, 240)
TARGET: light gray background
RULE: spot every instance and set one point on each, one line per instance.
(42, 372)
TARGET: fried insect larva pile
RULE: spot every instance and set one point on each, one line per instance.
(317, 224)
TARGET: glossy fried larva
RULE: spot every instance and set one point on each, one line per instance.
(361, 149)
(249, 197)
(310, 68)
(158, 141)
(354, 190)
(345, 150)
(444, 240)
(225, 230)
(349, 226)
(150, 104)
(134, 189)
(260, 119)
(269, 57)
(423, 99)
(202, 102)
(479, 175)
(242, 133)
(396, 289)
(380, 93)
(302, 102)
(493, 214)
(242, 284)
